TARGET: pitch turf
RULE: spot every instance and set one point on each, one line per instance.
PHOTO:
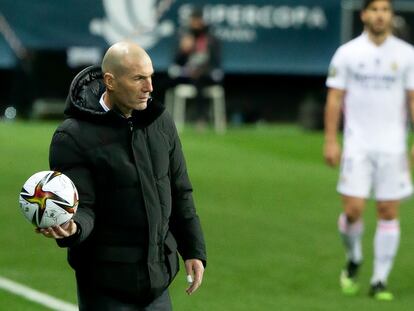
(268, 208)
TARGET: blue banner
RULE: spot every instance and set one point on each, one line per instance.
(258, 36)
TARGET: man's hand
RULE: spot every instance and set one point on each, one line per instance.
(412, 156)
(59, 232)
(332, 153)
(195, 270)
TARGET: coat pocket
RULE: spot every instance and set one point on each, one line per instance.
(121, 269)
(170, 249)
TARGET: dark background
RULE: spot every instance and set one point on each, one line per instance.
(250, 98)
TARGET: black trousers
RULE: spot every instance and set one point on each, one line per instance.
(92, 298)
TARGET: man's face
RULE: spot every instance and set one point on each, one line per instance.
(133, 86)
(377, 17)
(197, 23)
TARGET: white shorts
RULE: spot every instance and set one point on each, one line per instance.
(386, 175)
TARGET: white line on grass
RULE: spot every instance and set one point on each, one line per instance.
(36, 296)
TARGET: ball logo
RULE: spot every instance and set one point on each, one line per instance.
(137, 20)
(48, 198)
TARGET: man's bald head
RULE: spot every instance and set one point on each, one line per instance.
(120, 55)
(127, 75)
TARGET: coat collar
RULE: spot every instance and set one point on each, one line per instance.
(83, 101)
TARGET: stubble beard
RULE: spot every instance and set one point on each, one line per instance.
(379, 31)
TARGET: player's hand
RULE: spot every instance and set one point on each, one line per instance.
(412, 156)
(195, 271)
(59, 232)
(332, 153)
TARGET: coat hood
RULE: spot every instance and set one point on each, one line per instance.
(85, 92)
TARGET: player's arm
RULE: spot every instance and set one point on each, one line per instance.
(333, 110)
(410, 96)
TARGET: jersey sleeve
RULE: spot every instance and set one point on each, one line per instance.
(337, 75)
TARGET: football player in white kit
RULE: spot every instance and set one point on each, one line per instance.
(371, 80)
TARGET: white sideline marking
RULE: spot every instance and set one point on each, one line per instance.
(33, 295)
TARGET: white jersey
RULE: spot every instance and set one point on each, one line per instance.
(375, 79)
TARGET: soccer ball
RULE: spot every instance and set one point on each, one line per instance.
(48, 199)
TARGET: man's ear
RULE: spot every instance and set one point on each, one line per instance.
(109, 81)
(362, 16)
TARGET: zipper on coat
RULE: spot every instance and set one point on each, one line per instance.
(131, 125)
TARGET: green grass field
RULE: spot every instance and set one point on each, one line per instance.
(268, 207)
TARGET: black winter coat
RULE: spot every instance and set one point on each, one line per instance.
(136, 207)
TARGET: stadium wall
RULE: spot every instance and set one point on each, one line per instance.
(275, 53)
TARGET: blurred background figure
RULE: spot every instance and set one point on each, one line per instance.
(374, 90)
(197, 62)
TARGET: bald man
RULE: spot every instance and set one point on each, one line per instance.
(136, 208)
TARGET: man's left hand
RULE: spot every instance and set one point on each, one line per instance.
(195, 271)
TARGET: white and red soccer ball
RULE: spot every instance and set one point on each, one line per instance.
(48, 198)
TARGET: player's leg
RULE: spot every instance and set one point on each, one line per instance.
(351, 228)
(354, 185)
(392, 183)
(386, 242)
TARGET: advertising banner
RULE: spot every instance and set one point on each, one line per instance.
(257, 36)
